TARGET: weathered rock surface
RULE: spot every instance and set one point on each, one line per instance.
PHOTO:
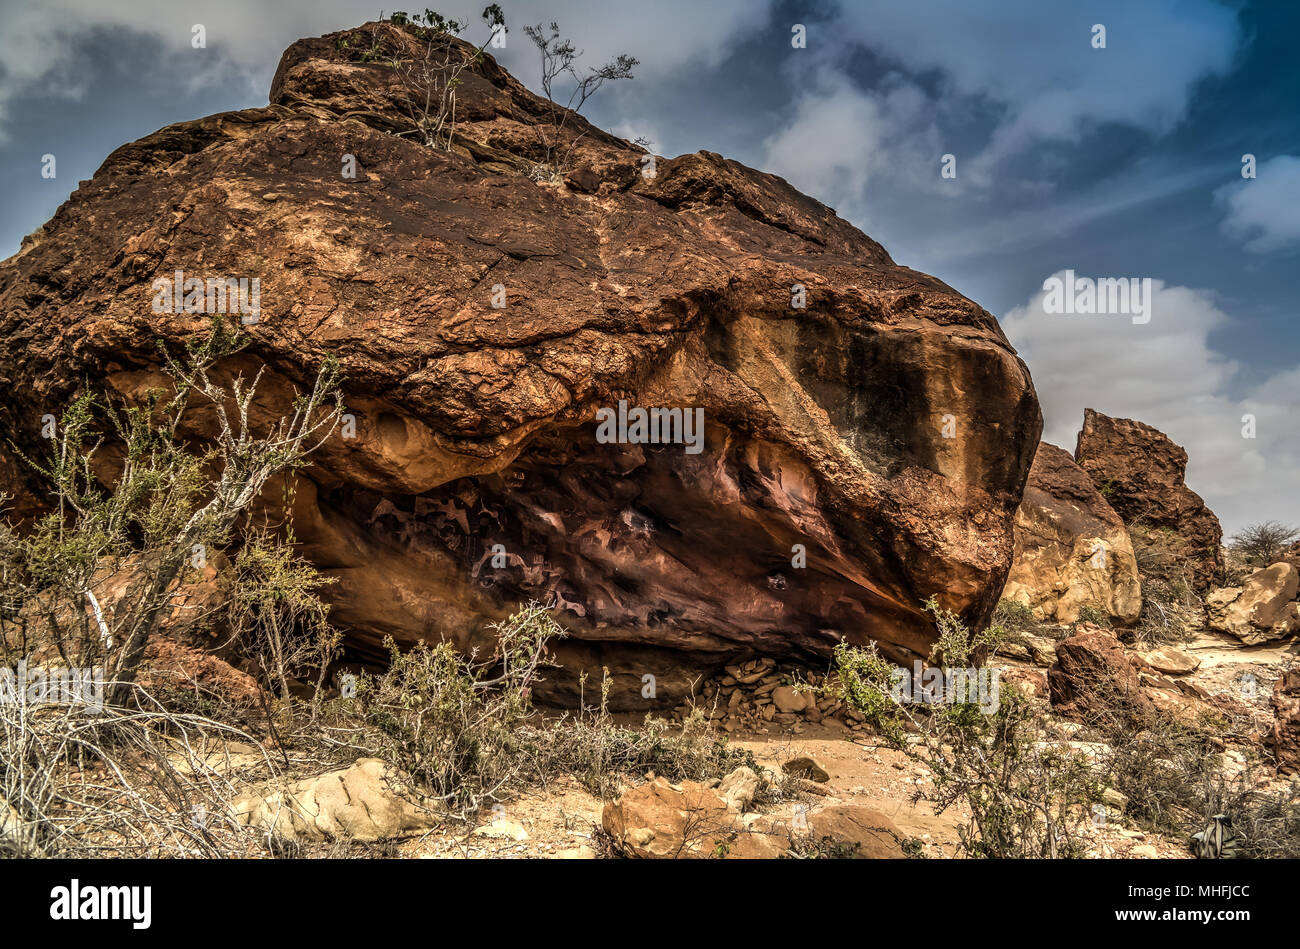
(1172, 661)
(475, 424)
(691, 820)
(177, 667)
(1286, 721)
(674, 821)
(1093, 679)
(1140, 472)
(365, 802)
(1264, 608)
(739, 787)
(857, 831)
(1071, 549)
(806, 768)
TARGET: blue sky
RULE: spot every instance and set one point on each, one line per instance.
(1122, 161)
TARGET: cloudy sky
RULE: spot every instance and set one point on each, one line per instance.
(1117, 161)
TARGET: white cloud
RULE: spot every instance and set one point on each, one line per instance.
(39, 43)
(1036, 61)
(1166, 373)
(1264, 212)
(42, 45)
(646, 129)
(840, 137)
(666, 35)
(1028, 63)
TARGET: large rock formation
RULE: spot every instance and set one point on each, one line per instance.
(883, 431)
(1071, 549)
(1140, 472)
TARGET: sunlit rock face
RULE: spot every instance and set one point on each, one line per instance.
(1140, 470)
(1072, 551)
(866, 430)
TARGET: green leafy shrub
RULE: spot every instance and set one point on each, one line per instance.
(1026, 794)
(451, 722)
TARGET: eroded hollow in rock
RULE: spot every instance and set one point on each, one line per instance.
(646, 545)
(884, 422)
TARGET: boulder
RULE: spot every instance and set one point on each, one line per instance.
(1140, 472)
(1262, 609)
(786, 699)
(806, 768)
(1071, 549)
(1032, 683)
(1093, 679)
(866, 429)
(191, 651)
(854, 830)
(738, 788)
(193, 615)
(1172, 661)
(176, 667)
(1286, 721)
(662, 820)
(366, 801)
(691, 820)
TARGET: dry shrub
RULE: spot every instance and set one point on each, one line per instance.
(467, 732)
(80, 781)
(122, 774)
(1171, 609)
(451, 722)
(601, 754)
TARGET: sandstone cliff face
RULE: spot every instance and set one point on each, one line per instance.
(886, 429)
(1071, 549)
(1140, 472)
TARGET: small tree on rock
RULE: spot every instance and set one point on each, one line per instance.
(559, 59)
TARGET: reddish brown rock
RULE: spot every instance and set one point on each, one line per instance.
(854, 830)
(1071, 549)
(1286, 721)
(660, 820)
(1032, 683)
(1093, 679)
(886, 428)
(1172, 661)
(1140, 473)
(183, 671)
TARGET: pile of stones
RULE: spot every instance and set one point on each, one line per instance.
(758, 696)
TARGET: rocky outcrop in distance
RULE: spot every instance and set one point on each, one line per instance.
(1140, 472)
(1262, 609)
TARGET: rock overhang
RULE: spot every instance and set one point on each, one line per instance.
(886, 426)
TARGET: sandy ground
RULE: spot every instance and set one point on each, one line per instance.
(559, 820)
